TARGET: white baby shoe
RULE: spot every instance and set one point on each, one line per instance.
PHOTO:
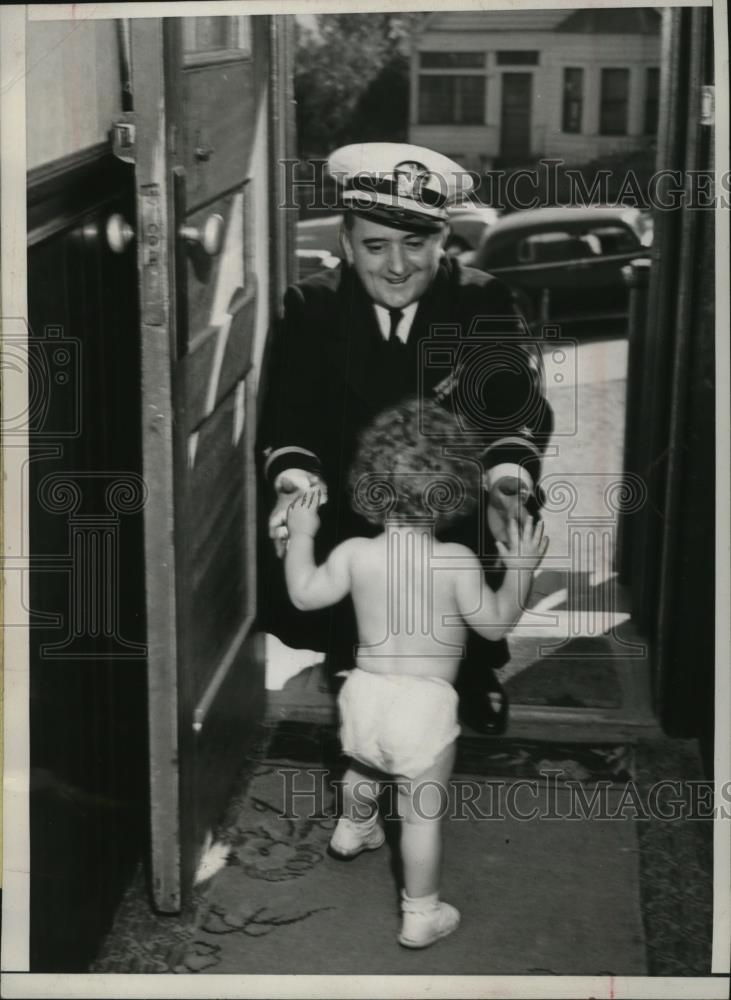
(350, 838)
(426, 920)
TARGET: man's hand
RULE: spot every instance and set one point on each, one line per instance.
(302, 518)
(506, 502)
(289, 485)
(526, 545)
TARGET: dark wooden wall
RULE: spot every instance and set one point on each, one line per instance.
(685, 631)
(668, 555)
(88, 729)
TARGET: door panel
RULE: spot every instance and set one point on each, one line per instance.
(211, 281)
(218, 129)
(216, 543)
(196, 108)
(221, 359)
(219, 88)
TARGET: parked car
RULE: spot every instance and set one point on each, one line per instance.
(468, 225)
(319, 238)
(320, 234)
(565, 264)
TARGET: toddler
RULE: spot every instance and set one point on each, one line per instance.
(414, 598)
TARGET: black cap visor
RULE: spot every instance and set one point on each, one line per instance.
(399, 218)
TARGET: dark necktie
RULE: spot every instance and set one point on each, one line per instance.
(395, 346)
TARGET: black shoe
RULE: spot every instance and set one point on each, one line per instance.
(483, 703)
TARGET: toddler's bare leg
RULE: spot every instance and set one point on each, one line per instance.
(422, 804)
(358, 828)
(360, 794)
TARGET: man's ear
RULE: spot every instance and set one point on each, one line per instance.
(444, 237)
(346, 245)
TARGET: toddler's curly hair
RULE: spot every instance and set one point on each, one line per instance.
(403, 467)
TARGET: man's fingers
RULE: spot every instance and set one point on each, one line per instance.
(276, 521)
(279, 536)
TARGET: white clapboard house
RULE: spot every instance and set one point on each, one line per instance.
(504, 87)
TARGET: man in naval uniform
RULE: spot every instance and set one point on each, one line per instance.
(397, 318)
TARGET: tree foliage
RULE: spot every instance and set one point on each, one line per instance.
(352, 80)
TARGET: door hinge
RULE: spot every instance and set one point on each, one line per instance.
(124, 138)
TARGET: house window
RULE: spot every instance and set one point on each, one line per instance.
(451, 100)
(573, 99)
(517, 57)
(652, 99)
(452, 60)
(452, 88)
(614, 102)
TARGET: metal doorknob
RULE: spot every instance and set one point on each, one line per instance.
(209, 237)
(119, 233)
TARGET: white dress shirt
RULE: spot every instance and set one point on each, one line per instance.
(404, 327)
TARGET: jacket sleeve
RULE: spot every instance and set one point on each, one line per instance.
(503, 379)
(290, 431)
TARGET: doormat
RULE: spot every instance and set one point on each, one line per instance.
(566, 683)
(584, 679)
(497, 757)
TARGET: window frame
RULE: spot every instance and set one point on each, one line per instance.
(456, 96)
(455, 67)
(566, 99)
(604, 101)
(236, 47)
(502, 57)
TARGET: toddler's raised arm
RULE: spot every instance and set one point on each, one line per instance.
(311, 586)
(493, 614)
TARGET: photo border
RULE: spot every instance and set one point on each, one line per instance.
(16, 873)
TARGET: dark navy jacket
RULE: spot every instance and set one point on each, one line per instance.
(326, 377)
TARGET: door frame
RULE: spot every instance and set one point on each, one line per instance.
(158, 322)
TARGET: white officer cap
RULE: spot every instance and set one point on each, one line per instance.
(398, 184)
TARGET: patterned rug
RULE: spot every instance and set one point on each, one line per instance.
(620, 897)
(309, 742)
(553, 896)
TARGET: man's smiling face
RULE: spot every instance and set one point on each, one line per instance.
(395, 266)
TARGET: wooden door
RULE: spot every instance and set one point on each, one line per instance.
(199, 92)
(515, 125)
